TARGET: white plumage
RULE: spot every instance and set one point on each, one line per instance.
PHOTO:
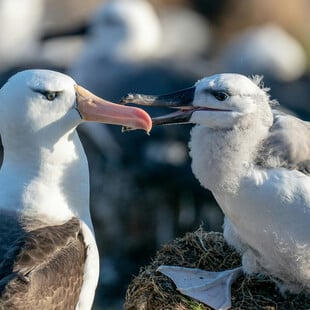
(44, 190)
(255, 177)
(256, 162)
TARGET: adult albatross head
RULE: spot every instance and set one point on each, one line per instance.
(33, 100)
(39, 112)
(48, 254)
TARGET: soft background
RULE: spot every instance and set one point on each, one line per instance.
(143, 193)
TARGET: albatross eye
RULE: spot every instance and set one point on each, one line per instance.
(220, 95)
(51, 95)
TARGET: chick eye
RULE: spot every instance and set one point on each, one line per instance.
(220, 96)
(50, 95)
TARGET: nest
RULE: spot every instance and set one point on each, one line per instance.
(151, 290)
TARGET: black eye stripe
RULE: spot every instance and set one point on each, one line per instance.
(49, 95)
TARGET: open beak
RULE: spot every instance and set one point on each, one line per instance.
(96, 109)
(181, 100)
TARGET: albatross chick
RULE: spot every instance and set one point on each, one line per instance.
(256, 162)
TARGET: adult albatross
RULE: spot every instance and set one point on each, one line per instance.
(256, 162)
(48, 253)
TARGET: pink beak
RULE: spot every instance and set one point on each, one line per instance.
(96, 109)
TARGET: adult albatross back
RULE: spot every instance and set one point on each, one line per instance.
(48, 253)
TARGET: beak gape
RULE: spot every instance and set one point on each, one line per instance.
(181, 100)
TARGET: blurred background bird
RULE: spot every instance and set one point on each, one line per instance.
(116, 47)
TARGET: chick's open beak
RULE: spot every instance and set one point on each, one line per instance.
(181, 100)
(96, 109)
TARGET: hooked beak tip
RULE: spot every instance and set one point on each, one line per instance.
(96, 109)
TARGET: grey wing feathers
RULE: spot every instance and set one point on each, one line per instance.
(288, 144)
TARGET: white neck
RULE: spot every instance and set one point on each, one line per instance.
(49, 181)
(221, 157)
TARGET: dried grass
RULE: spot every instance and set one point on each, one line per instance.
(151, 290)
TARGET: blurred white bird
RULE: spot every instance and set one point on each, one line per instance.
(120, 31)
(266, 49)
(20, 24)
(128, 39)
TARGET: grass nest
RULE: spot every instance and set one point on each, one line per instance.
(151, 290)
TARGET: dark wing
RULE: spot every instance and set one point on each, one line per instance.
(44, 269)
(288, 144)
